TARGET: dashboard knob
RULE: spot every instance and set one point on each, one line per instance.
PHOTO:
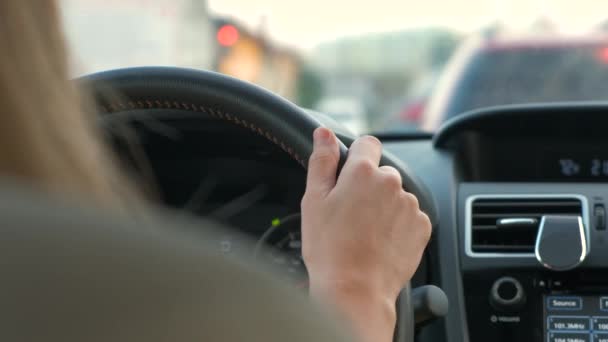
(507, 294)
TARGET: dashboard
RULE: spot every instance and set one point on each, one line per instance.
(521, 248)
(203, 167)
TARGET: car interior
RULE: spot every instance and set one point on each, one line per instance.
(516, 194)
(512, 192)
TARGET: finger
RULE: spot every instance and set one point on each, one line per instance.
(366, 148)
(323, 163)
(392, 173)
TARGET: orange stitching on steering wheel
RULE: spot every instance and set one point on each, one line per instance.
(147, 104)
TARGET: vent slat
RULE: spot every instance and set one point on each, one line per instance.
(528, 204)
(484, 227)
(537, 214)
(512, 209)
(504, 215)
(503, 248)
(487, 238)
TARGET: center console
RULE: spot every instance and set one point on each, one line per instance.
(532, 190)
(537, 306)
(534, 261)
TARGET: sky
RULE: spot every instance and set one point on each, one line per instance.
(305, 23)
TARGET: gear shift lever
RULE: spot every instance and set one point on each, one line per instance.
(430, 303)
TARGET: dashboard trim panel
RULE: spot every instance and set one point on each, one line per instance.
(468, 233)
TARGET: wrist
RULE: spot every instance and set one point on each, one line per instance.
(370, 312)
(347, 286)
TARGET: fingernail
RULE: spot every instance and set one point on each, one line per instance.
(321, 135)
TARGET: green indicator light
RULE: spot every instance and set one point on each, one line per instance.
(276, 222)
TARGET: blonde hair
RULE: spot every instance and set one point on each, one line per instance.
(46, 138)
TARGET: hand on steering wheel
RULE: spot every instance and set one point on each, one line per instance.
(363, 235)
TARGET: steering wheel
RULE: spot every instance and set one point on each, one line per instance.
(245, 105)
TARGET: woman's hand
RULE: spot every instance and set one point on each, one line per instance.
(363, 235)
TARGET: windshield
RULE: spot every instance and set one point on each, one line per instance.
(381, 66)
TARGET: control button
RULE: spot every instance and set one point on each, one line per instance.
(569, 337)
(600, 324)
(604, 303)
(600, 337)
(569, 323)
(556, 284)
(599, 217)
(507, 294)
(564, 303)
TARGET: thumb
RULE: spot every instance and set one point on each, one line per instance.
(323, 163)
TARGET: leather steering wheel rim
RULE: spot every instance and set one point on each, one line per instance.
(243, 104)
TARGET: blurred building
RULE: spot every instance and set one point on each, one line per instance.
(195, 43)
(250, 56)
(379, 69)
(405, 51)
(108, 34)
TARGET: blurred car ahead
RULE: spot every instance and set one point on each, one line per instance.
(411, 113)
(407, 115)
(503, 71)
(348, 111)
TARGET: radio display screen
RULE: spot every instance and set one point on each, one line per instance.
(572, 318)
(535, 160)
(585, 165)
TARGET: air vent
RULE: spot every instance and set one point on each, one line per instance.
(510, 225)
